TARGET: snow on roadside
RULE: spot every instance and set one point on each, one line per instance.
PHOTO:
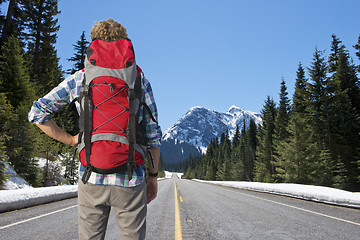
(15, 181)
(26, 197)
(169, 174)
(307, 192)
(19, 194)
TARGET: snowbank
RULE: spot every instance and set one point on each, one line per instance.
(26, 197)
(168, 174)
(307, 192)
(15, 181)
(20, 194)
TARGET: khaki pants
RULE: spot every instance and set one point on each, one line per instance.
(95, 202)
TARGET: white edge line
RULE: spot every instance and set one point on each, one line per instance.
(298, 208)
(37, 217)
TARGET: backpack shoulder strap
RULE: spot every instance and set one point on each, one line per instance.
(87, 132)
(138, 89)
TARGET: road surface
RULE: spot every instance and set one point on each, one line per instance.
(203, 211)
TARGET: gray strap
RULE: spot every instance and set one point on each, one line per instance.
(126, 74)
(113, 137)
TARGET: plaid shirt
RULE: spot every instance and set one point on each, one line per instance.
(66, 92)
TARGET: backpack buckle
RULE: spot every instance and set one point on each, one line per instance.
(87, 173)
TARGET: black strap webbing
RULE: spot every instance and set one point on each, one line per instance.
(87, 136)
(150, 113)
(71, 107)
(138, 92)
(131, 132)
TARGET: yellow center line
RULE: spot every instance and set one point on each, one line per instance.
(178, 230)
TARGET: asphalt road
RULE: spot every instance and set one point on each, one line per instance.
(205, 212)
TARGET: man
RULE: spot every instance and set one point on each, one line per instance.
(103, 191)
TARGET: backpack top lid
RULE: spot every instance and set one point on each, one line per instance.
(102, 53)
(113, 59)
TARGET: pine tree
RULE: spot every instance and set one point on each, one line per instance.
(283, 114)
(236, 139)
(211, 171)
(71, 166)
(341, 178)
(323, 92)
(6, 115)
(281, 133)
(319, 105)
(334, 56)
(209, 160)
(264, 168)
(15, 82)
(22, 146)
(296, 162)
(237, 172)
(344, 119)
(325, 170)
(224, 173)
(349, 80)
(225, 143)
(251, 146)
(41, 25)
(80, 52)
(357, 47)
(238, 155)
(301, 96)
(246, 157)
(223, 154)
(19, 92)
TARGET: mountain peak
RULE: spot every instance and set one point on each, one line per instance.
(196, 107)
(233, 109)
(192, 133)
(199, 125)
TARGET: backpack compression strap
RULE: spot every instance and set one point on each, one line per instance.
(133, 105)
(87, 134)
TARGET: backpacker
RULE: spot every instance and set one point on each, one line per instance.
(110, 99)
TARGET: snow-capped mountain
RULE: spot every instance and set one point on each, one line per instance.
(199, 125)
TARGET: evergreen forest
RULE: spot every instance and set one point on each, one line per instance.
(29, 68)
(311, 138)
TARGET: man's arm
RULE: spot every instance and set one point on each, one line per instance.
(155, 152)
(51, 129)
(152, 185)
(152, 136)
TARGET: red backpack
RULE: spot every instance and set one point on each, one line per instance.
(110, 99)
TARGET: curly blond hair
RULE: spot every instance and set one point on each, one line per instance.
(108, 30)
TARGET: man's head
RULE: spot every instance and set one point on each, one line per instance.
(108, 30)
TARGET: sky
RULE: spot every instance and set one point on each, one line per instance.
(213, 53)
